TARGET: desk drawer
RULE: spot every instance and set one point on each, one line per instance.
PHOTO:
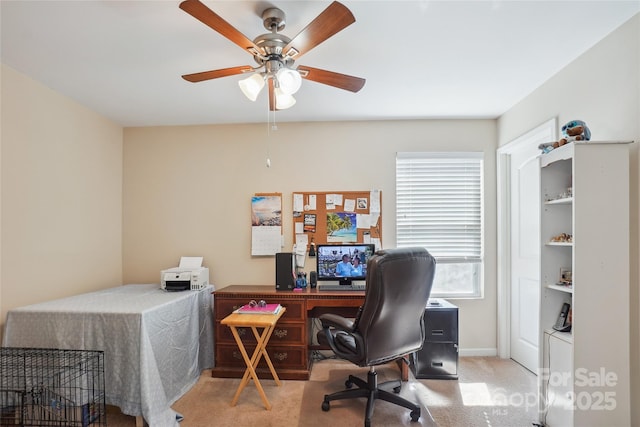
(294, 357)
(441, 325)
(284, 333)
(295, 308)
(436, 361)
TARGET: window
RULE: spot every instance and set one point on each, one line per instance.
(439, 207)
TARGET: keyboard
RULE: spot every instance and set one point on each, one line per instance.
(339, 287)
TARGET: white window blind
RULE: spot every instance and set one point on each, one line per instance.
(439, 207)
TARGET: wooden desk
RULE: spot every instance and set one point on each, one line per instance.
(290, 345)
(254, 321)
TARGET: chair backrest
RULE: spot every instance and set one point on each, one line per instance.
(398, 287)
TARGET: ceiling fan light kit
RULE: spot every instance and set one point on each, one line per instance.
(289, 81)
(276, 53)
(283, 100)
(251, 86)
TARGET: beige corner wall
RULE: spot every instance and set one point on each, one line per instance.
(601, 87)
(187, 191)
(61, 204)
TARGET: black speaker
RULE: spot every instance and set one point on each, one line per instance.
(285, 272)
(313, 279)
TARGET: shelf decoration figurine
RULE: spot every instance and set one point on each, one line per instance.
(564, 195)
(566, 278)
(563, 238)
(575, 130)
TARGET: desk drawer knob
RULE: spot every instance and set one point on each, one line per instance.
(280, 333)
(280, 356)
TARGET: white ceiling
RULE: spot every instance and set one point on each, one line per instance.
(421, 59)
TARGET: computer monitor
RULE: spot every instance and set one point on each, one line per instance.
(343, 262)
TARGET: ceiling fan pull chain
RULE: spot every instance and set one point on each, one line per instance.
(270, 127)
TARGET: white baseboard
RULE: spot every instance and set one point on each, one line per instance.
(470, 352)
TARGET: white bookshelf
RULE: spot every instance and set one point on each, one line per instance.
(585, 372)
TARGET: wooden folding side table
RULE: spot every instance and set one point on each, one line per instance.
(254, 321)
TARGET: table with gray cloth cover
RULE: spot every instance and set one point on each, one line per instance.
(155, 343)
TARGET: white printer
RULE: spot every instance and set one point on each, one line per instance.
(189, 275)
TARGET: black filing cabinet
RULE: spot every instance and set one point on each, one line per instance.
(438, 358)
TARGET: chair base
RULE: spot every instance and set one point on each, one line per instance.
(372, 391)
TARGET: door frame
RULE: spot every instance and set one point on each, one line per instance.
(547, 130)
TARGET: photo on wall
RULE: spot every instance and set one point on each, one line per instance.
(310, 223)
(341, 227)
(266, 211)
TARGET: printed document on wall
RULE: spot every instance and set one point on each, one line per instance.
(266, 240)
(266, 224)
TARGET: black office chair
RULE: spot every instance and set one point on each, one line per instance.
(388, 327)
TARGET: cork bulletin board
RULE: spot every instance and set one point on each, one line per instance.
(337, 217)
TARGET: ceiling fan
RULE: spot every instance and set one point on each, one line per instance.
(276, 53)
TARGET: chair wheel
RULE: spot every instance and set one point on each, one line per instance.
(325, 406)
(348, 383)
(396, 390)
(415, 415)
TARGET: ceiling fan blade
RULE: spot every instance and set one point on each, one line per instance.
(215, 74)
(341, 81)
(272, 95)
(333, 19)
(208, 17)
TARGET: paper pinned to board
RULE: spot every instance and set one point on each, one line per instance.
(190, 261)
(349, 205)
(298, 203)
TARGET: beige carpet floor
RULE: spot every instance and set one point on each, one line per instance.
(490, 392)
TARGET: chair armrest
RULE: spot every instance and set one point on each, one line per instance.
(330, 320)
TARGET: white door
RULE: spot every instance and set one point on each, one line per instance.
(525, 255)
(519, 245)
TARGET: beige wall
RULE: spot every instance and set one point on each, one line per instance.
(61, 178)
(187, 191)
(602, 87)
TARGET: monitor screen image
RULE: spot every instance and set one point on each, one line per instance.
(343, 262)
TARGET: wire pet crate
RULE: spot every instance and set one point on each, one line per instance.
(51, 387)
